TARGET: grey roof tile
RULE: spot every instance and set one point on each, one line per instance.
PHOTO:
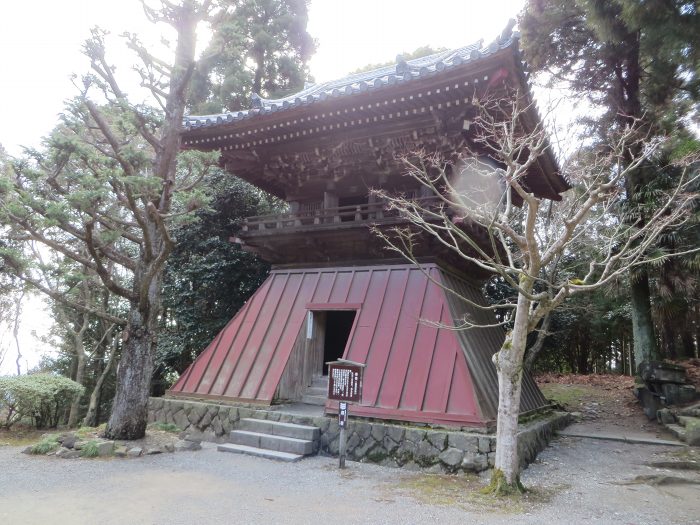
(402, 71)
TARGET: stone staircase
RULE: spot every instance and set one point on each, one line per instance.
(683, 423)
(272, 440)
(317, 393)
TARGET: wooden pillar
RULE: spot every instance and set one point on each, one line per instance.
(330, 200)
(294, 212)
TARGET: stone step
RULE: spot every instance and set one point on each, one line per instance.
(321, 381)
(271, 442)
(677, 431)
(314, 400)
(692, 411)
(259, 452)
(684, 420)
(276, 428)
(317, 391)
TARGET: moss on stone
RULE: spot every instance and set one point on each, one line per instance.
(166, 427)
(376, 456)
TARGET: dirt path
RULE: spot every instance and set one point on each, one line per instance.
(605, 403)
(573, 481)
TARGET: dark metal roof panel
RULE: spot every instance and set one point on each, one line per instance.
(480, 344)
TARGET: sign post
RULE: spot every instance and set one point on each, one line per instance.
(344, 386)
(342, 423)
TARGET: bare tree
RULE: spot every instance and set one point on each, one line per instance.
(526, 236)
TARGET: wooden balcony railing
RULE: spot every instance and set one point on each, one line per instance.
(327, 218)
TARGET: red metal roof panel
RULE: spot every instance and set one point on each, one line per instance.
(416, 370)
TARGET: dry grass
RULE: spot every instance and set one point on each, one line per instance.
(20, 436)
(464, 490)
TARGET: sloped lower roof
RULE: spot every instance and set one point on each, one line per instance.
(482, 343)
(401, 72)
(415, 370)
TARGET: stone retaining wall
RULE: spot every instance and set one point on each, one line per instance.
(438, 450)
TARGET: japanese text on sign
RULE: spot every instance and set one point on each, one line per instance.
(345, 383)
(343, 414)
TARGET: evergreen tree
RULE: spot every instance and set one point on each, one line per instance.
(109, 181)
(208, 277)
(419, 52)
(637, 63)
(261, 47)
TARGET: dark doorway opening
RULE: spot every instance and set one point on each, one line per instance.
(338, 326)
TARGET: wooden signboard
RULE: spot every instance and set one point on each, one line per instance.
(345, 381)
(344, 386)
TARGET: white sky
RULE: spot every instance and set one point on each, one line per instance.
(40, 49)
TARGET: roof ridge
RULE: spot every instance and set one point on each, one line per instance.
(401, 71)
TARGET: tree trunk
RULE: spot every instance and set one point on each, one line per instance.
(509, 365)
(572, 356)
(640, 294)
(669, 338)
(642, 323)
(688, 345)
(697, 330)
(79, 378)
(15, 332)
(130, 406)
(259, 72)
(91, 417)
(583, 365)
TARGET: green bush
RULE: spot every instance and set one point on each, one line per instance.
(40, 397)
(90, 449)
(46, 445)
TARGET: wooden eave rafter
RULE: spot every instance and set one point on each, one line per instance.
(336, 113)
(249, 148)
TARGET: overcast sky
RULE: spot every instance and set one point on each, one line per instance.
(40, 47)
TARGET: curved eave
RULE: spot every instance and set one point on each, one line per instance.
(352, 86)
(274, 124)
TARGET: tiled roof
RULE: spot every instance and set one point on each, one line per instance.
(401, 72)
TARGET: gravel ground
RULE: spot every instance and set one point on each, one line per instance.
(574, 481)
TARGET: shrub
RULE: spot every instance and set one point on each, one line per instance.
(90, 449)
(46, 445)
(41, 397)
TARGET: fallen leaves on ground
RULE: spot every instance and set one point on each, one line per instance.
(604, 398)
(692, 370)
(606, 381)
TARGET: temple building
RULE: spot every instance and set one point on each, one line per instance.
(334, 291)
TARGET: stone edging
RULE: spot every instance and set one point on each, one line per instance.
(438, 450)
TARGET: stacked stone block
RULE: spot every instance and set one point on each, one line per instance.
(438, 450)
